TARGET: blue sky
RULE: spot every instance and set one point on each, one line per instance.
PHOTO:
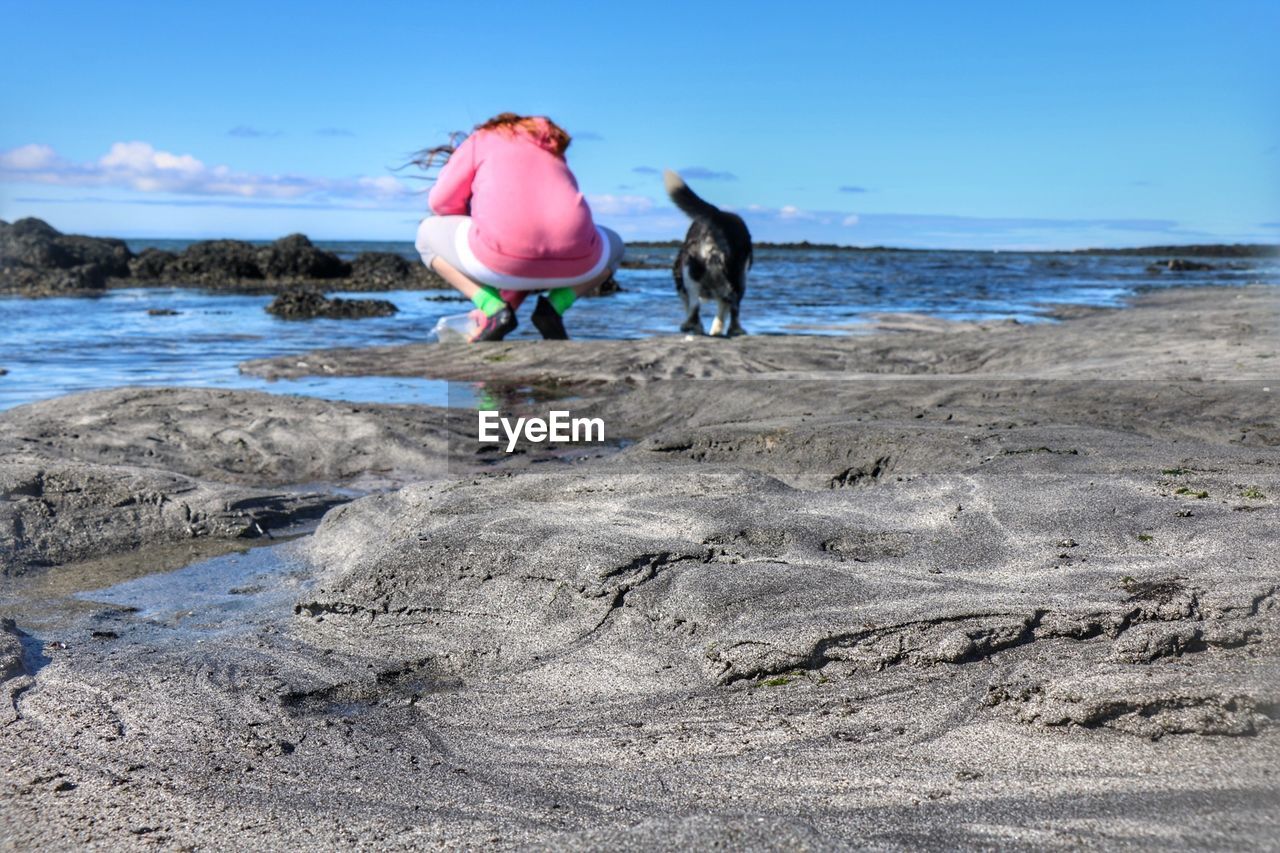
(984, 124)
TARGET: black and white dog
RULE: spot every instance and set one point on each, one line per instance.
(713, 262)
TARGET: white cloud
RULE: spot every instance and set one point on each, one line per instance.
(790, 211)
(139, 157)
(139, 166)
(620, 205)
(383, 186)
(26, 157)
(850, 221)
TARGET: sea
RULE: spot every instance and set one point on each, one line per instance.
(51, 347)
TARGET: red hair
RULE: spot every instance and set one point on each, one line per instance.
(542, 130)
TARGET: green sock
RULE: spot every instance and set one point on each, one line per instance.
(561, 298)
(488, 300)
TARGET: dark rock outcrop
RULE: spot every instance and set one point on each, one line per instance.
(1192, 250)
(234, 263)
(37, 244)
(217, 262)
(151, 264)
(381, 270)
(294, 257)
(1179, 265)
(308, 304)
(20, 278)
(109, 255)
(36, 258)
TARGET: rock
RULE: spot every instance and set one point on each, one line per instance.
(151, 264)
(240, 437)
(1202, 250)
(32, 227)
(10, 650)
(110, 471)
(37, 244)
(381, 270)
(29, 281)
(309, 304)
(17, 279)
(54, 513)
(82, 277)
(724, 575)
(1157, 705)
(111, 256)
(1179, 265)
(37, 258)
(693, 642)
(34, 243)
(294, 257)
(3, 372)
(389, 271)
(218, 262)
(162, 312)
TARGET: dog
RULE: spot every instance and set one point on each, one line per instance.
(713, 262)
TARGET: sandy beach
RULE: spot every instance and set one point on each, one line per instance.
(940, 585)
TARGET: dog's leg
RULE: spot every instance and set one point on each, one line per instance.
(735, 328)
(678, 273)
(692, 305)
(722, 311)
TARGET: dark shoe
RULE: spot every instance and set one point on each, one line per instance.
(547, 321)
(497, 327)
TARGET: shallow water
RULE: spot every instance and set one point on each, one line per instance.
(216, 593)
(53, 347)
(181, 593)
(58, 346)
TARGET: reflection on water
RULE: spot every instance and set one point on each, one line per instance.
(215, 593)
(57, 346)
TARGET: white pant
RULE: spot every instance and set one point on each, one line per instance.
(446, 236)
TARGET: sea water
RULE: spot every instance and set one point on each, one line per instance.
(58, 346)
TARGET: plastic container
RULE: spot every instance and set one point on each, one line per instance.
(456, 328)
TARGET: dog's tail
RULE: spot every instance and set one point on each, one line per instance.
(685, 198)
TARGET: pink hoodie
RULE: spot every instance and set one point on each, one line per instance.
(528, 218)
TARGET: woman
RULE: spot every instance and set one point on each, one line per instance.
(509, 219)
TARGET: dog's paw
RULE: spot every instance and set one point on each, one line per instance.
(735, 331)
(692, 329)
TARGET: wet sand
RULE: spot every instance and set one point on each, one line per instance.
(1184, 333)
(933, 587)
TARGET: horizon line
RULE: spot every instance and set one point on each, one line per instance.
(1257, 249)
(784, 244)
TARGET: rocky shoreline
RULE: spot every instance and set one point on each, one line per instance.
(38, 260)
(942, 586)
